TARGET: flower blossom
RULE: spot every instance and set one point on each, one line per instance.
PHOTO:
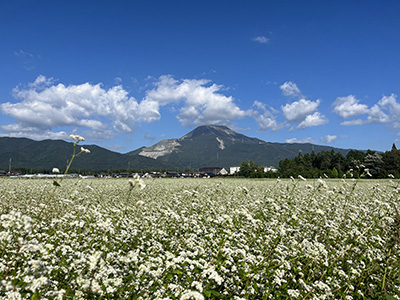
(76, 137)
(85, 150)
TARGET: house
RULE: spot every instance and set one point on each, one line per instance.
(211, 171)
(223, 172)
(233, 170)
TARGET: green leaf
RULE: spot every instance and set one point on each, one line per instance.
(55, 183)
(208, 293)
(35, 296)
(389, 297)
(169, 277)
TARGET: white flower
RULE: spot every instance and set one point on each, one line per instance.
(302, 178)
(138, 181)
(141, 183)
(37, 283)
(197, 285)
(293, 293)
(140, 203)
(85, 150)
(322, 183)
(192, 295)
(76, 137)
(13, 295)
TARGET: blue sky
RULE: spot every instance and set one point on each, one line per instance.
(126, 74)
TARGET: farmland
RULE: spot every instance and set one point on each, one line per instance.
(199, 239)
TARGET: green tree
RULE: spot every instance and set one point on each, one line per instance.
(335, 173)
(245, 169)
(375, 165)
(391, 160)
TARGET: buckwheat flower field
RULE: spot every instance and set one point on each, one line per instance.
(199, 239)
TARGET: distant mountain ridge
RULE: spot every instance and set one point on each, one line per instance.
(215, 145)
(208, 145)
(47, 154)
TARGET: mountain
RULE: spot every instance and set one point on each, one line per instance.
(47, 154)
(213, 145)
(205, 146)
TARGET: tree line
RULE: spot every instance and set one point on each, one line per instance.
(356, 163)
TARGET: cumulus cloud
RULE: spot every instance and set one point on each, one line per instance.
(261, 39)
(203, 102)
(297, 111)
(329, 138)
(290, 89)
(392, 108)
(302, 111)
(41, 82)
(316, 119)
(301, 141)
(44, 106)
(18, 130)
(387, 110)
(265, 118)
(349, 106)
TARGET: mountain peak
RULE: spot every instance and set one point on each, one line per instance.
(218, 130)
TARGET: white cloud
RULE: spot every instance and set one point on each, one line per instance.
(330, 138)
(290, 89)
(316, 119)
(18, 130)
(266, 122)
(387, 110)
(202, 102)
(301, 141)
(259, 105)
(390, 104)
(352, 122)
(261, 39)
(376, 115)
(41, 81)
(44, 107)
(265, 119)
(299, 110)
(347, 107)
(302, 111)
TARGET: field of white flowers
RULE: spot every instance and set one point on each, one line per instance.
(199, 239)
